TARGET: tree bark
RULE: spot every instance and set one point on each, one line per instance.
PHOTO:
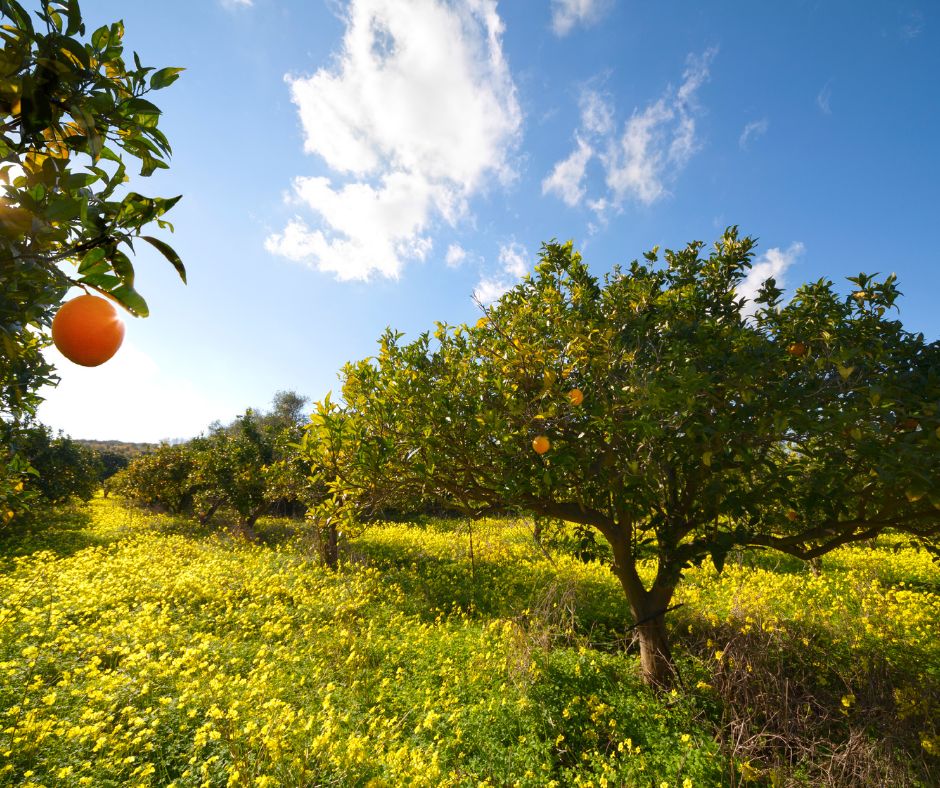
(245, 529)
(331, 547)
(649, 613)
(656, 665)
(206, 516)
(246, 525)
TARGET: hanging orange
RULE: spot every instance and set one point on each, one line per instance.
(576, 396)
(87, 330)
(541, 444)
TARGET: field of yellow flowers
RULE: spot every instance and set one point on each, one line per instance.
(137, 651)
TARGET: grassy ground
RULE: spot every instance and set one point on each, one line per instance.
(135, 650)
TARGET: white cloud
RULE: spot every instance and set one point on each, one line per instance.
(636, 164)
(568, 13)
(659, 141)
(774, 263)
(142, 401)
(490, 288)
(237, 3)
(656, 144)
(597, 113)
(456, 254)
(565, 179)
(514, 261)
(913, 25)
(824, 99)
(418, 112)
(753, 130)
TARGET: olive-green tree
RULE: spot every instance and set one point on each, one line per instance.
(333, 505)
(162, 479)
(681, 421)
(63, 468)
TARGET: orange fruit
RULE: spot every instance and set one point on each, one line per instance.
(541, 444)
(792, 515)
(797, 349)
(576, 396)
(87, 330)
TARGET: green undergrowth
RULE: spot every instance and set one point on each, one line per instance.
(136, 649)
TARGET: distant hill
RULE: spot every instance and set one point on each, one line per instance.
(121, 448)
(116, 455)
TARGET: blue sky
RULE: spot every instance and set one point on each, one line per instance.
(347, 166)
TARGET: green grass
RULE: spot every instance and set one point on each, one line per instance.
(139, 650)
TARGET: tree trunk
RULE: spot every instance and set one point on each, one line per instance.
(244, 529)
(331, 547)
(649, 614)
(246, 525)
(656, 665)
(207, 515)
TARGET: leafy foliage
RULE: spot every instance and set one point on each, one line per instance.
(704, 426)
(73, 115)
(249, 465)
(63, 468)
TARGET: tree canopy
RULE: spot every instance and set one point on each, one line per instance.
(74, 115)
(701, 422)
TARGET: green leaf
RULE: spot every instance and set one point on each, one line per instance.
(165, 76)
(77, 180)
(132, 300)
(139, 106)
(91, 258)
(150, 164)
(168, 252)
(98, 278)
(101, 37)
(123, 267)
(75, 24)
(18, 14)
(63, 209)
(77, 51)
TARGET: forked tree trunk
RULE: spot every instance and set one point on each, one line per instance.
(244, 529)
(206, 516)
(649, 614)
(246, 525)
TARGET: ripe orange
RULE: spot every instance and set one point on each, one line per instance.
(792, 515)
(541, 444)
(87, 330)
(576, 396)
(797, 349)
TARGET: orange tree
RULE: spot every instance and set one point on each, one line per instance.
(335, 499)
(63, 468)
(703, 423)
(162, 479)
(73, 115)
